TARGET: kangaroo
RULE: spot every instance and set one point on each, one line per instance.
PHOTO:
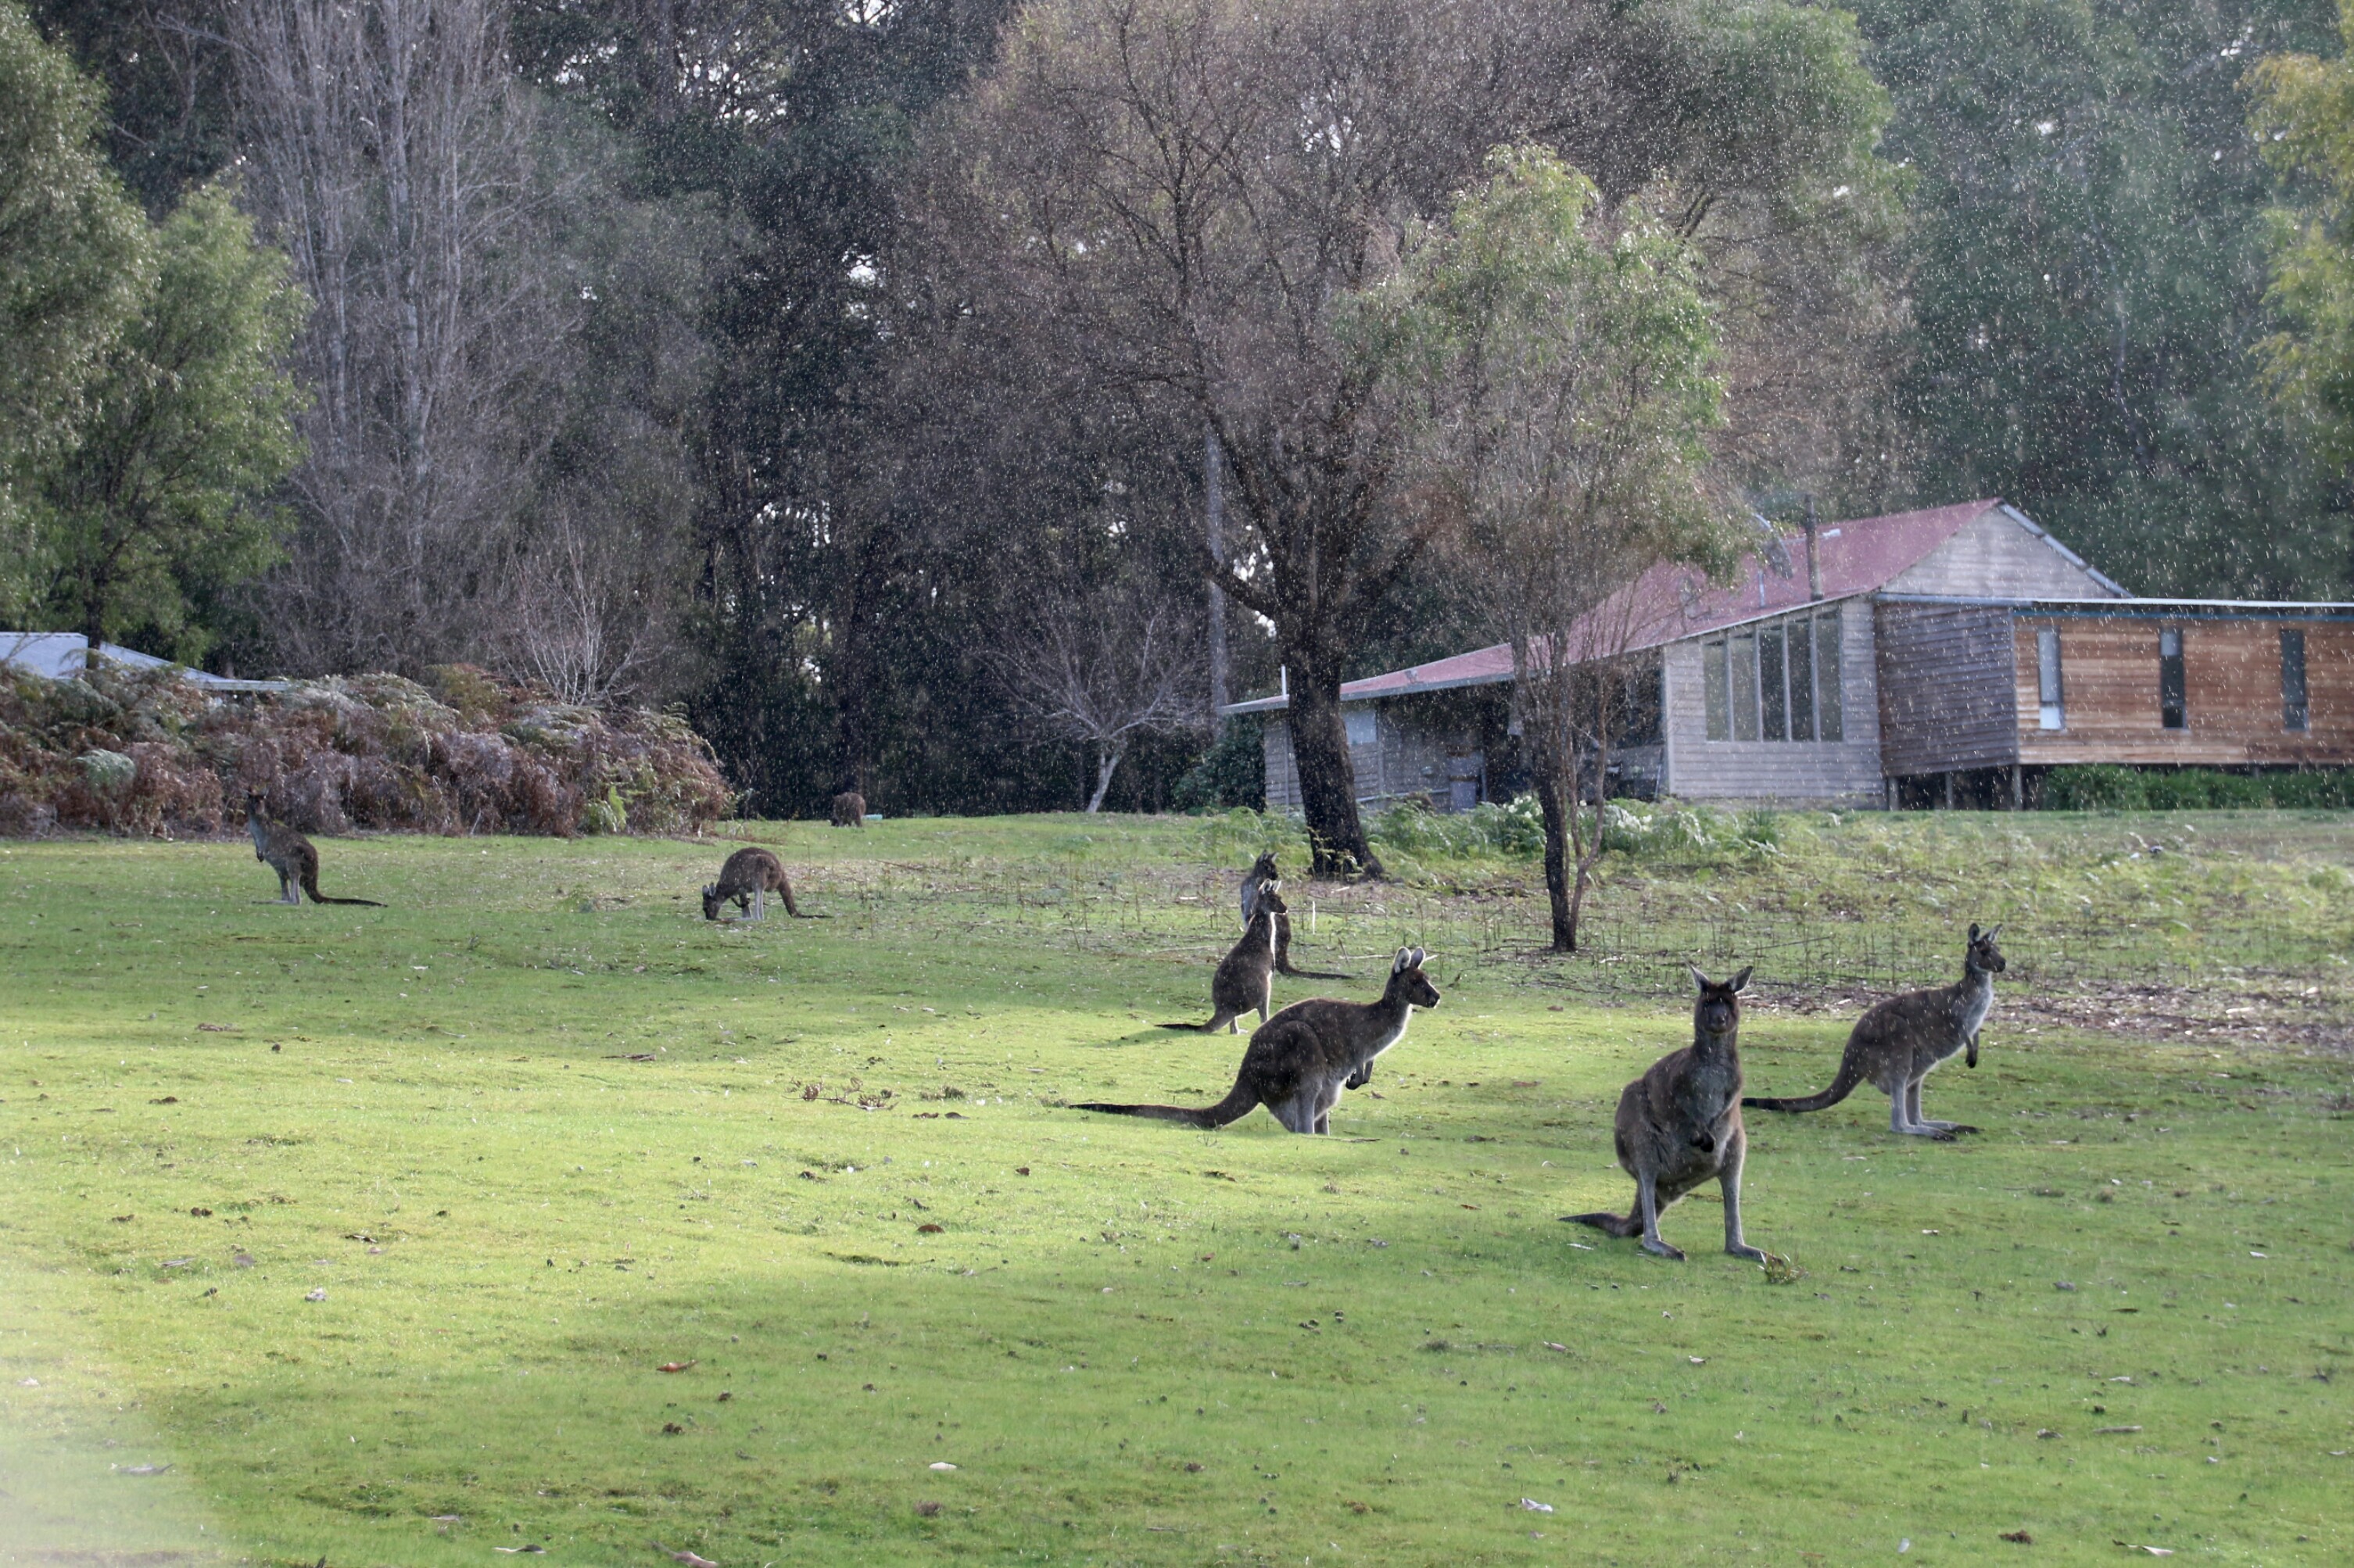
(1246, 977)
(850, 810)
(1256, 882)
(748, 877)
(1897, 1042)
(291, 855)
(1680, 1125)
(1298, 1061)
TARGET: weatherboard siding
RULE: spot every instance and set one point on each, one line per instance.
(1699, 768)
(1402, 759)
(1947, 691)
(2231, 680)
(1992, 556)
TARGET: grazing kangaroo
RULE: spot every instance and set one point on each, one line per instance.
(291, 855)
(1262, 878)
(1298, 1061)
(1897, 1042)
(748, 877)
(850, 810)
(1680, 1125)
(1246, 977)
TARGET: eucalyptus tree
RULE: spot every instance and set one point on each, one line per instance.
(1188, 192)
(1559, 357)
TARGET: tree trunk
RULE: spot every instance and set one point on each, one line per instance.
(1555, 803)
(1107, 759)
(1328, 784)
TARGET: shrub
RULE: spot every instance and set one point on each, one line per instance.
(1232, 773)
(2109, 787)
(147, 752)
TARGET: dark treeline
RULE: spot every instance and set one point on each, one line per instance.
(847, 370)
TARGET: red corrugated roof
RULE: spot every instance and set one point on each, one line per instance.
(1670, 602)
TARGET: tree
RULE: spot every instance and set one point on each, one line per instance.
(2304, 118)
(812, 595)
(164, 499)
(166, 69)
(1560, 355)
(2088, 252)
(1105, 666)
(1191, 189)
(74, 263)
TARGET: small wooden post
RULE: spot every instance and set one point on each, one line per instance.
(1949, 788)
(1888, 786)
(2018, 788)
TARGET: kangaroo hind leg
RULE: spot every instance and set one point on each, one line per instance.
(1947, 1128)
(1728, 1181)
(1646, 1203)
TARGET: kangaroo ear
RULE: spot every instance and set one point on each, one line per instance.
(1418, 957)
(709, 888)
(1993, 931)
(1738, 980)
(1404, 957)
(1699, 980)
(1974, 930)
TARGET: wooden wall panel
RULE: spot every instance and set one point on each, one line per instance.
(2108, 674)
(1993, 557)
(1946, 687)
(1846, 771)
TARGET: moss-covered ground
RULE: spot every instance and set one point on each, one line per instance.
(367, 1235)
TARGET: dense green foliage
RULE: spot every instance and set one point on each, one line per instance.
(536, 1132)
(2087, 261)
(74, 264)
(2305, 116)
(2103, 786)
(157, 512)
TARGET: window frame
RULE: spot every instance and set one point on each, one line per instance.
(2050, 688)
(1737, 663)
(2297, 689)
(2173, 681)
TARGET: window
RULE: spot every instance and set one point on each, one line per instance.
(1779, 680)
(2052, 714)
(2295, 714)
(1802, 681)
(1774, 703)
(2170, 710)
(1361, 730)
(1745, 685)
(1830, 710)
(1714, 693)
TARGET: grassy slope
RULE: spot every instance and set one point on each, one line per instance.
(514, 1227)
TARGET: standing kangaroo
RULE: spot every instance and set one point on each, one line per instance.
(748, 877)
(1680, 1125)
(850, 810)
(291, 855)
(1257, 882)
(1298, 1061)
(1246, 977)
(1898, 1043)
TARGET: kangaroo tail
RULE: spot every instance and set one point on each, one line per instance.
(791, 907)
(1237, 1104)
(1610, 1224)
(310, 886)
(1849, 1075)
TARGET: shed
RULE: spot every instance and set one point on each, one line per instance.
(1853, 663)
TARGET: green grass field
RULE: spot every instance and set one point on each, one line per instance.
(378, 1227)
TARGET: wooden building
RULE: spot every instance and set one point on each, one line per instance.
(1935, 657)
